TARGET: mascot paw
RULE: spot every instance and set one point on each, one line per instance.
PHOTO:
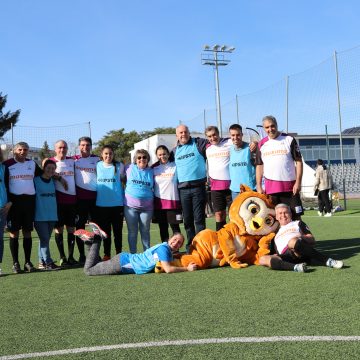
(238, 265)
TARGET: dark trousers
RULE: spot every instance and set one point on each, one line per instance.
(85, 210)
(193, 201)
(323, 201)
(164, 230)
(107, 218)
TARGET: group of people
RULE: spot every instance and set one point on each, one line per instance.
(68, 191)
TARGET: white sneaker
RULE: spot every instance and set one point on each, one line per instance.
(335, 264)
(320, 213)
(1, 273)
(328, 214)
(300, 268)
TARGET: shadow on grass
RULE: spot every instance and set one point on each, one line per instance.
(340, 248)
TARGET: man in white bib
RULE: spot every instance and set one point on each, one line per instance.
(279, 161)
(294, 244)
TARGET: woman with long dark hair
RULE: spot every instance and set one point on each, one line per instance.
(167, 207)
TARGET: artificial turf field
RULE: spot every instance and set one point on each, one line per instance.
(49, 311)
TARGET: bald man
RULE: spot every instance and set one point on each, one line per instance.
(190, 160)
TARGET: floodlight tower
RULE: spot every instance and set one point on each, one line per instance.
(215, 56)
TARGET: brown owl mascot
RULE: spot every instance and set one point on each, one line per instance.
(242, 241)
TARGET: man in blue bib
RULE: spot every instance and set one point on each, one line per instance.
(190, 160)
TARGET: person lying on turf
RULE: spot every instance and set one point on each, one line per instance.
(126, 263)
(294, 245)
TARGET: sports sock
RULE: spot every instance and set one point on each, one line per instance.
(14, 249)
(59, 239)
(71, 244)
(307, 251)
(220, 224)
(80, 244)
(27, 245)
(279, 264)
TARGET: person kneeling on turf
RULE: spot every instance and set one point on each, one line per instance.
(294, 245)
(126, 263)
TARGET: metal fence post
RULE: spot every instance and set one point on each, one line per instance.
(340, 125)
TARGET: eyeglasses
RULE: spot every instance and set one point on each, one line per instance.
(142, 157)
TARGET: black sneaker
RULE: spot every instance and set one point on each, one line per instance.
(82, 259)
(72, 262)
(52, 266)
(16, 269)
(29, 267)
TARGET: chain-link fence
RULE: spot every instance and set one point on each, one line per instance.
(36, 137)
(326, 96)
(303, 103)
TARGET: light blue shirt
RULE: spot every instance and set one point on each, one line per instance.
(145, 262)
(241, 169)
(190, 164)
(45, 203)
(3, 193)
(110, 192)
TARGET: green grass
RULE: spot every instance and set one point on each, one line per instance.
(65, 309)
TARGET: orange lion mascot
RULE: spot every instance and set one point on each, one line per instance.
(242, 241)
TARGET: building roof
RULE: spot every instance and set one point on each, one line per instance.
(352, 131)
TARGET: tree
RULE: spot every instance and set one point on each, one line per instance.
(45, 151)
(121, 142)
(7, 119)
(160, 130)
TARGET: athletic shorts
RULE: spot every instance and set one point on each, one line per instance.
(220, 199)
(167, 216)
(290, 199)
(85, 210)
(22, 213)
(66, 215)
(290, 257)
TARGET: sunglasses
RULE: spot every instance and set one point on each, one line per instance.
(142, 157)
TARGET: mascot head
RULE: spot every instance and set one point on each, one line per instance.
(253, 213)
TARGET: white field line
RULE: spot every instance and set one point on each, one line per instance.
(182, 343)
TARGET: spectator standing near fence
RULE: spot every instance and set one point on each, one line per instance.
(139, 199)
(190, 155)
(66, 202)
(167, 207)
(279, 160)
(110, 199)
(242, 161)
(323, 185)
(19, 181)
(85, 180)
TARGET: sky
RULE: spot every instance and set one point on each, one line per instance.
(137, 64)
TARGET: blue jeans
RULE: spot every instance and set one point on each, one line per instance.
(2, 228)
(193, 201)
(44, 230)
(135, 220)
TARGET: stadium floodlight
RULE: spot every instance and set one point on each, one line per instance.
(215, 61)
